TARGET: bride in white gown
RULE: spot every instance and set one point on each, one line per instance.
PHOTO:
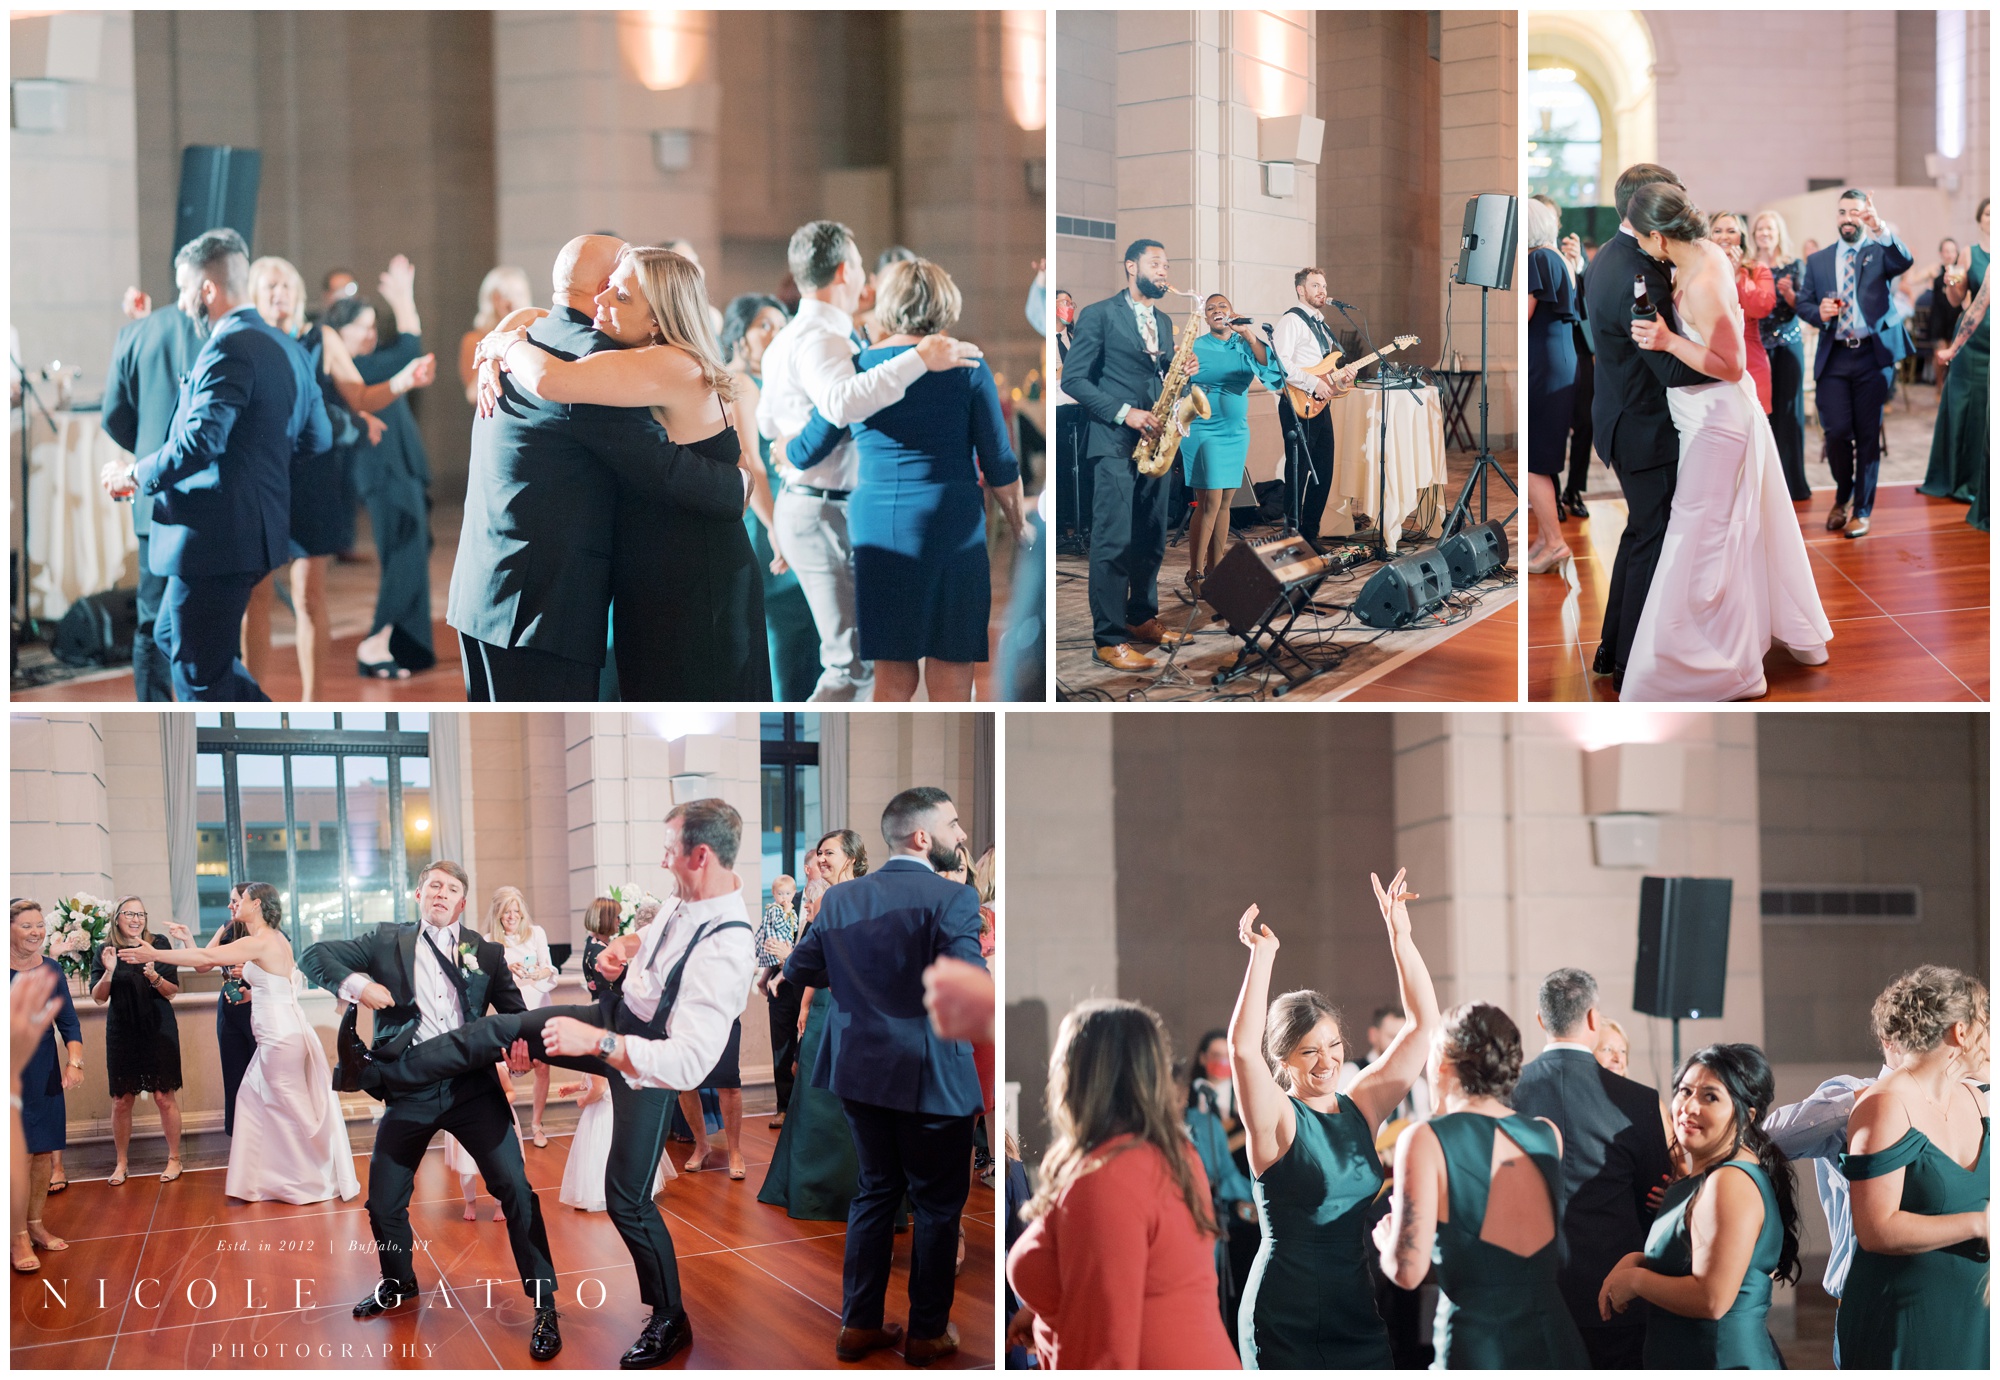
(1733, 575)
(291, 1143)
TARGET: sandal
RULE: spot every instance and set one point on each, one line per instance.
(169, 1178)
(540, 1137)
(736, 1169)
(381, 670)
(119, 1176)
(58, 1185)
(28, 1263)
(54, 1242)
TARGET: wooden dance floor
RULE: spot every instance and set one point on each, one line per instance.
(762, 1290)
(1909, 604)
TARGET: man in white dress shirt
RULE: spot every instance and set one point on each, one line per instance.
(1303, 338)
(685, 980)
(810, 365)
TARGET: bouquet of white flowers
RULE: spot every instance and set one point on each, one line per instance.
(77, 930)
(631, 898)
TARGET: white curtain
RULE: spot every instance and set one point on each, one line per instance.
(177, 756)
(447, 803)
(832, 772)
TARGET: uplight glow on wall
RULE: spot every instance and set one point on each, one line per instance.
(1951, 82)
(1274, 42)
(1592, 729)
(665, 49)
(1024, 66)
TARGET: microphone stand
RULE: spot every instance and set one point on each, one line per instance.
(23, 622)
(1294, 492)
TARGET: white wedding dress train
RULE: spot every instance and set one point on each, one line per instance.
(291, 1143)
(1733, 575)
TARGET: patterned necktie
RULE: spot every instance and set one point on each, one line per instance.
(1149, 328)
(1850, 315)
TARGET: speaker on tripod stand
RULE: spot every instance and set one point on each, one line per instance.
(1485, 261)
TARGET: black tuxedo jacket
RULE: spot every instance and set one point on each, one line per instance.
(143, 387)
(1108, 367)
(389, 956)
(1614, 1154)
(1628, 412)
(546, 482)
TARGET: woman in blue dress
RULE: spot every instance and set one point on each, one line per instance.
(922, 580)
(1213, 454)
(55, 1067)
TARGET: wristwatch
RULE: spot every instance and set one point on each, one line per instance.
(607, 1047)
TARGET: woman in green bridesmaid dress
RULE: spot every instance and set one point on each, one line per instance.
(1310, 1301)
(1961, 441)
(1727, 1227)
(1483, 1184)
(1916, 1295)
(813, 1171)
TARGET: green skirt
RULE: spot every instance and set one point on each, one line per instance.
(813, 1172)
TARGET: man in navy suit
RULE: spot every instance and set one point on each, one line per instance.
(1846, 291)
(221, 484)
(1614, 1156)
(140, 393)
(910, 1095)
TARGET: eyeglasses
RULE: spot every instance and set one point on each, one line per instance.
(131, 915)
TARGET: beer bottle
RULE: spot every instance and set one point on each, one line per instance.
(1642, 303)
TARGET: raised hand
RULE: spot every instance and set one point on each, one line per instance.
(1394, 900)
(399, 280)
(179, 933)
(110, 957)
(1256, 938)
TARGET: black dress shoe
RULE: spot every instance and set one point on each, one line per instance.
(547, 1340)
(1573, 500)
(382, 1300)
(357, 1071)
(665, 1334)
(1606, 660)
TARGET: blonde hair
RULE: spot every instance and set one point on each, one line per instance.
(916, 297)
(145, 939)
(1610, 1024)
(494, 909)
(1914, 1012)
(508, 279)
(283, 268)
(674, 291)
(1785, 251)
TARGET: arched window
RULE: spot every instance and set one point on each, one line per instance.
(1566, 141)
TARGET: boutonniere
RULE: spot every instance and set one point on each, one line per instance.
(466, 952)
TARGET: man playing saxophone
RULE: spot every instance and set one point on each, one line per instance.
(1117, 357)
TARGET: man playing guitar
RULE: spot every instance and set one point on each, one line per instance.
(1303, 339)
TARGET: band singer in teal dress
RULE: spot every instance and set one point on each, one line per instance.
(1216, 448)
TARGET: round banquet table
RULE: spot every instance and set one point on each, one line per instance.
(80, 540)
(1416, 458)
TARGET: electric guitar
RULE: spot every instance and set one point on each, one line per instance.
(1305, 404)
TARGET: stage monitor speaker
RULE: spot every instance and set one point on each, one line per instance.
(1486, 245)
(1475, 553)
(1404, 590)
(218, 189)
(1252, 575)
(1683, 946)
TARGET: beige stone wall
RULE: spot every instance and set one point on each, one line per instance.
(888, 753)
(1479, 152)
(61, 829)
(1086, 134)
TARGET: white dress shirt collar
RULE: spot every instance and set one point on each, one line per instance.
(922, 862)
(825, 314)
(1569, 1044)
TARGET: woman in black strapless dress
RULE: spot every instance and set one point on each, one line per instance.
(687, 614)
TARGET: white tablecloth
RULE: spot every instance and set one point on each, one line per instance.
(80, 542)
(1416, 458)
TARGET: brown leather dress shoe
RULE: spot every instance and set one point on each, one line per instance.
(1123, 658)
(1836, 517)
(1856, 527)
(921, 1351)
(1157, 633)
(856, 1342)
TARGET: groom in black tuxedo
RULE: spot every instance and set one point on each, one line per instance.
(424, 980)
(1633, 429)
(531, 588)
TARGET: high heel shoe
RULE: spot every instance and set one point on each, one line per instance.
(26, 1262)
(1549, 561)
(1572, 503)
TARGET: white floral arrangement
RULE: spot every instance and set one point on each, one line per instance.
(631, 899)
(80, 925)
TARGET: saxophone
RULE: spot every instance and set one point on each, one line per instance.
(1180, 401)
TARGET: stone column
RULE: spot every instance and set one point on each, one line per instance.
(1868, 98)
(60, 840)
(1479, 152)
(1087, 245)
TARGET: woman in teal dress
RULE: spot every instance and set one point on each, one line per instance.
(748, 325)
(813, 1171)
(1310, 1302)
(1496, 1232)
(1214, 451)
(1725, 1230)
(1916, 1162)
(1961, 443)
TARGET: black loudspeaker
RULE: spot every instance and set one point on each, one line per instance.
(1404, 590)
(1475, 553)
(1683, 946)
(1486, 246)
(1252, 575)
(218, 189)
(98, 630)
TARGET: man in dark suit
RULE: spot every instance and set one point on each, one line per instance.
(221, 483)
(1632, 428)
(1113, 371)
(140, 393)
(1845, 292)
(421, 981)
(910, 1095)
(1614, 1155)
(531, 589)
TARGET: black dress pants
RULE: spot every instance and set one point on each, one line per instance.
(474, 1110)
(784, 1011)
(1649, 500)
(1788, 414)
(1128, 539)
(152, 677)
(930, 1159)
(1580, 431)
(1852, 390)
(512, 675)
(1309, 484)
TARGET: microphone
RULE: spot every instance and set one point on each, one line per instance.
(1239, 320)
(1265, 328)
(1344, 306)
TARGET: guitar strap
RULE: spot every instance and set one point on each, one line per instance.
(1317, 327)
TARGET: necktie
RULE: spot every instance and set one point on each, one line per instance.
(1850, 315)
(1149, 328)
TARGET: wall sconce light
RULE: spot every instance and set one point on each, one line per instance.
(689, 786)
(1283, 142)
(1626, 788)
(673, 150)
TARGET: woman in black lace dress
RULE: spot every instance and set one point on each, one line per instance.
(142, 1041)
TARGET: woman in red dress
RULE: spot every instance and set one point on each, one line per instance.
(1116, 1270)
(1756, 293)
